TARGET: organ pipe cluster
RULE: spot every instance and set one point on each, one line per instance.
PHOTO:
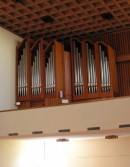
(91, 69)
(104, 69)
(50, 71)
(78, 70)
(22, 71)
(36, 71)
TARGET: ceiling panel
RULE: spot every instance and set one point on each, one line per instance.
(61, 19)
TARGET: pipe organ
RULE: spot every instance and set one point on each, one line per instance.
(77, 70)
(22, 73)
(46, 73)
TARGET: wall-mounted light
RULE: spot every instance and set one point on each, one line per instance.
(62, 140)
(111, 137)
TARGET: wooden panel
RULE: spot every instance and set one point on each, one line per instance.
(123, 58)
(59, 53)
(123, 71)
(67, 76)
(113, 72)
(52, 101)
(119, 41)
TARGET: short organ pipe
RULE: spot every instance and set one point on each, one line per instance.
(50, 71)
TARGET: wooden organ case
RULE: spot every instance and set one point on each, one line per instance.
(53, 74)
(37, 77)
(108, 84)
(46, 74)
(23, 74)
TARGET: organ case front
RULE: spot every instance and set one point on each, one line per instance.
(91, 69)
(22, 74)
(37, 70)
(107, 70)
(78, 70)
(53, 75)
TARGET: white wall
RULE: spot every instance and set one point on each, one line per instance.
(8, 42)
(77, 153)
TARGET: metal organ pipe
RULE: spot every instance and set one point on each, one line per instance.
(91, 70)
(104, 68)
(78, 72)
(36, 71)
(50, 72)
(22, 72)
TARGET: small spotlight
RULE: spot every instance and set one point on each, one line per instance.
(62, 140)
(111, 137)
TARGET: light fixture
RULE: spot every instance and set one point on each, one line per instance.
(62, 140)
(107, 16)
(18, 1)
(47, 19)
(111, 137)
(79, 1)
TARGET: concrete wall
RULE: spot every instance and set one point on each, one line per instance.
(8, 43)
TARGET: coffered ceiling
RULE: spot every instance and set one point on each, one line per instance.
(61, 19)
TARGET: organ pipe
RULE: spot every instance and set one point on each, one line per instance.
(50, 71)
(78, 69)
(91, 68)
(104, 69)
(22, 71)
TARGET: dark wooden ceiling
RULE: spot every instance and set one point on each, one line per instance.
(61, 19)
